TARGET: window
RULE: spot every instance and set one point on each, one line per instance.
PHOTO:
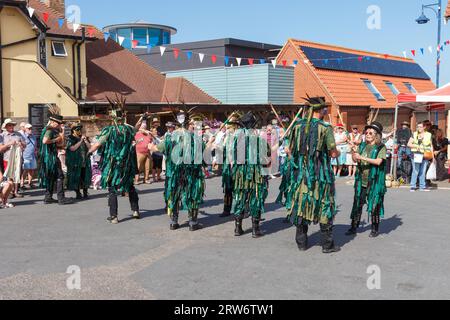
(155, 37)
(126, 34)
(166, 37)
(392, 87)
(140, 35)
(373, 89)
(59, 49)
(410, 87)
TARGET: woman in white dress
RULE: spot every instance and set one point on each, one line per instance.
(354, 140)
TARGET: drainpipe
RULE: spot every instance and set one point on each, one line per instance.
(74, 69)
(1, 73)
(83, 40)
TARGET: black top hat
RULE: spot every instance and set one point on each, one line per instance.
(57, 118)
(170, 125)
(378, 127)
(406, 123)
(248, 121)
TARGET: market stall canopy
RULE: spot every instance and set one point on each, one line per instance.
(434, 100)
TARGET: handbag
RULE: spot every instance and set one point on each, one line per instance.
(428, 155)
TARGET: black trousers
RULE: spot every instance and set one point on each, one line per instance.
(57, 180)
(113, 202)
(228, 200)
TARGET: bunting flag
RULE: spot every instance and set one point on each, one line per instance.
(262, 61)
(189, 55)
(274, 63)
(30, 11)
(76, 26)
(201, 56)
(239, 60)
(413, 52)
(360, 59)
(106, 36)
(90, 32)
(422, 50)
(368, 58)
(121, 40)
(295, 62)
(60, 23)
(226, 59)
(404, 54)
(45, 15)
(176, 53)
(149, 48)
(251, 61)
(326, 61)
(214, 59)
(284, 63)
(162, 50)
(386, 56)
(306, 61)
(430, 48)
(134, 44)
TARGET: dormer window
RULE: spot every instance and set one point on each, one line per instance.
(59, 49)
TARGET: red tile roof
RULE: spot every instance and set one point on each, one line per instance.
(347, 88)
(41, 9)
(111, 69)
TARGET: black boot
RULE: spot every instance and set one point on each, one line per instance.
(62, 200)
(375, 227)
(193, 221)
(238, 231)
(328, 245)
(256, 228)
(174, 223)
(85, 194)
(301, 237)
(356, 221)
(79, 196)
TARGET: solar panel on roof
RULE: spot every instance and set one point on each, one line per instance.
(342, 61)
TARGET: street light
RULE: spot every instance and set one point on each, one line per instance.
(423, 19)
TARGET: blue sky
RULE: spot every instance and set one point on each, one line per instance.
(326, 21)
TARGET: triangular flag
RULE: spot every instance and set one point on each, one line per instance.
(90, 32)
(226, 60)
(262, 61)
(201, 57)
(214, 58)
(306, 61)
(106, 36)
(251, 61)
(121, 39)
(284, 63)
(368, 58)
(326, 61)
(76, 26)
(430, 48)
(134, 43)
(404, 54)
(274, 63)
(176, 53)
(442, 48)
(60, 23)
(360, 58)
(149, 48)
(386, 56)
(162, 50)
(422, 50)
(413, 52)
(295, 62)
(439, 62)
(30, 11)
(189, 55)
(45, 15)
(239, 60)
(438, 48)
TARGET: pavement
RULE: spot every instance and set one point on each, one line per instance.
(143, 259)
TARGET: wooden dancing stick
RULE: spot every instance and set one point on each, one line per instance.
(292, 124)
(278, 117)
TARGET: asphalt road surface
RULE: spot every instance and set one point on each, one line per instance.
(143, 259)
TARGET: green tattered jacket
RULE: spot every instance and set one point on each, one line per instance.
(48, 166)
(376, 187)
(75, 161)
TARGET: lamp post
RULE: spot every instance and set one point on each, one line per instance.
(423, 19)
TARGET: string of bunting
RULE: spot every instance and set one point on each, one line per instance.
(227, 59)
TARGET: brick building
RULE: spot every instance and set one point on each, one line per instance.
(355, 82)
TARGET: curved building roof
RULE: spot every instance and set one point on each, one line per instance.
(141, 24)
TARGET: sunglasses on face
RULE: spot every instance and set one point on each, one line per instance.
(369, 133)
